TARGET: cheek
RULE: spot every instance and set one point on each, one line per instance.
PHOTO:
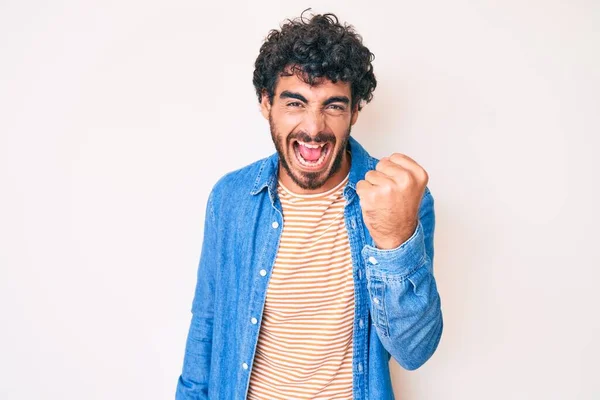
(286, 124)
(340, 127)
(338, 120)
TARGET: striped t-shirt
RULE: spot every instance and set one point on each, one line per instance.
(304, 348)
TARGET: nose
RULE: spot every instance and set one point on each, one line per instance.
(314, 122)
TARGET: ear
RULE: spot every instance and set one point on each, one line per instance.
(265, 105)
(354, 114)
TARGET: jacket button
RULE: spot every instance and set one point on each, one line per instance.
(376, 300)
(275, 225)
(263, 272)
(254, 321)
(245, 366)
(372, 260)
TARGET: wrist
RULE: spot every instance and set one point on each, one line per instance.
(389, 243)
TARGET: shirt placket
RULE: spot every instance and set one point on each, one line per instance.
(360, 338)
(258, 299)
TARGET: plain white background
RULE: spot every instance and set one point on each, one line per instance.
(117, 117)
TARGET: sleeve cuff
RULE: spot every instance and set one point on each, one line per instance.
(400, 260)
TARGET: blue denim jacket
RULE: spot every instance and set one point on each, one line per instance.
(397, 305)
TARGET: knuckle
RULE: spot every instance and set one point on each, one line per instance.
(397, 156)
(425, 177)
(405, 175)
(386, 190)
(406, 180)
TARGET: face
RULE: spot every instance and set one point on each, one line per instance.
(310, 127)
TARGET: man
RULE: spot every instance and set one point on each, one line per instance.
(317, 262)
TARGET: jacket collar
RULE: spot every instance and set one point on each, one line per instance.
(360, 163)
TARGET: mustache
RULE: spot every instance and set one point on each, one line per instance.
(320, 137)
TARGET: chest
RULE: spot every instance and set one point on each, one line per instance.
(313, 271)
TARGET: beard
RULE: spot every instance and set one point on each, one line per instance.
(305, 179)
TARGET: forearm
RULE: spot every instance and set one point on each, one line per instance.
(193, 381)
(404, 300)
(407, 314)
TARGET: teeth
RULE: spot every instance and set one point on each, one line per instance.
(311, 146)
(311, 163)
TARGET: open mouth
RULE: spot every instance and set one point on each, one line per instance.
(312, 155)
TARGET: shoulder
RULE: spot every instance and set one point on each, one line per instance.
(238, 182)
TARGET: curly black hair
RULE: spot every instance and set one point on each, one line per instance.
(312, 49)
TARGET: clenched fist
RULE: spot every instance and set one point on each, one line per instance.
(390, 196)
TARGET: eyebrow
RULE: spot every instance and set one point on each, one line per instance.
(337, 99)
(286, 94)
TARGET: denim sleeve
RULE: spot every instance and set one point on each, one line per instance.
(404, 300)
(193, 381)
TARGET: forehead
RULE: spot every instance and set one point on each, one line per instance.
(323, 89)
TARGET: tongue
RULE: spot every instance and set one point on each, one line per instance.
(310, 154)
